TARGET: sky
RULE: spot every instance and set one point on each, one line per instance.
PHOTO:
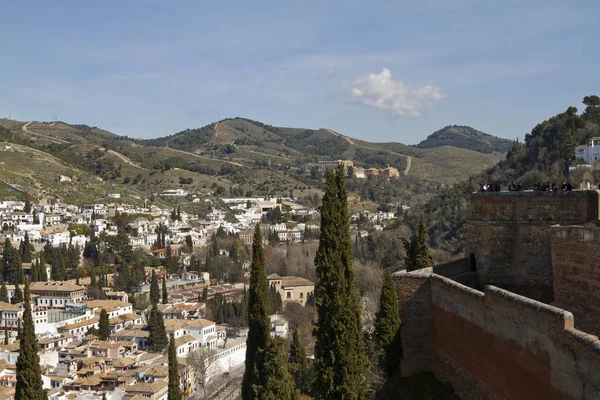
(375, 70)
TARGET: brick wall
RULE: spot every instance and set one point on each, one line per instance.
(509, 234)
(498, 345)
(576, 272)
(414, 297)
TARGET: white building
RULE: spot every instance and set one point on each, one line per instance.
(589, 153)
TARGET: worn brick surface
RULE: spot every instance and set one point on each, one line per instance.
(509, 233)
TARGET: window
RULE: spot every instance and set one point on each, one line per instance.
(289, 295)
(301, 295)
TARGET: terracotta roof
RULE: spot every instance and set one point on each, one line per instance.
(124, 362)
(144, 387)
(54, 286)
(80, 324)
(293, 281)
(199, 323)
(273, 276)
(184, 339)
(9, 307)
(106, 303)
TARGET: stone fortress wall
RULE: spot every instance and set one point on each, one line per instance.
(480, 323)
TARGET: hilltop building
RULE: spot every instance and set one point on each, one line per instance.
(291, 288)
(519, 317)
(325, 166)
(590, 152)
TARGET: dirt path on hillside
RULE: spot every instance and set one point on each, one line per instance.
(347, 139)
(125, 159)
(50, 138)
(204, 157)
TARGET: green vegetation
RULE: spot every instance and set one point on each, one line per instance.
(387, 320)
(165, 293)
(271, 379)
(418, 254)
(104, 325)
(154, 291)
(157, 340)
(340, 357)
(258, 317)
(465, 137)
(29, 375)
(174, 381)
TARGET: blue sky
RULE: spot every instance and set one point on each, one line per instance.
(373, 70)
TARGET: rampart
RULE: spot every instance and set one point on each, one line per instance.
(494, 344)
(576, 273)
(509, 235)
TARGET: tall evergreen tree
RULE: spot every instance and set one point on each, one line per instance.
(27, 207)
(157, 339)
(104, 325)
(3, 293)
(6, 336)
(297, 351)
(258, 317)
(340, 356)
(165, 293)
(43, 274)
(418, 254)
(154, 290)
(387, 319)
(205, 295)
(27, 251)
(12, 267)
(272, 379)
(299, 366)
(18, 295)
(29, 376)
(35, 271)
(174, 382)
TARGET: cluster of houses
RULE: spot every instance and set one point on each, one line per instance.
(388, 173)
(49, 223)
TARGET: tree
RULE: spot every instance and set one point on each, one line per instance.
(104, 326)
(42, 271)
(17, 296)
(204, 295)
(174, 381)
(165, 294)
(418, 254)
(29, 375)
(340, 357)
(272, 379)
(12, 268)
(154, 290)
(3, 293)
(387, 319)
(27, 207)
(258, 317)
(26, 249)
(206, 367)
(157, 339)
(298, 365)
(593, 101)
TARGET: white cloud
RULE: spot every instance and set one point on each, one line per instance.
(381, 91)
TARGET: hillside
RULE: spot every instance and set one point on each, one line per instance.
(465, 137)
(234, 157)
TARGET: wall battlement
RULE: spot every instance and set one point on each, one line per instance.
(509, 234)
(499, 345)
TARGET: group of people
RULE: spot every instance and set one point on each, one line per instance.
(492, 187)
(547, 187)
(539, 187)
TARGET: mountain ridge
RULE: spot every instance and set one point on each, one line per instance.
(465, 137)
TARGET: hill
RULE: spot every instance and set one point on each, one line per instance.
(465, 137)
(234, 157)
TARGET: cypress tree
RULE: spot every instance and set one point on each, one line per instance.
(3, 293)
(174, 383)
(165, 294)
(35, 273)
(43, 275)
(6, 336)
(418, 254)
(104, 325)
(272, 379)
(18, 295)
(26, 255)
(297, 351)
(258, 317)
(29, 375)
(157, 339)
(340, 356)
(27, 208)
(387, 319)
(205, 295)
(154, 290)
